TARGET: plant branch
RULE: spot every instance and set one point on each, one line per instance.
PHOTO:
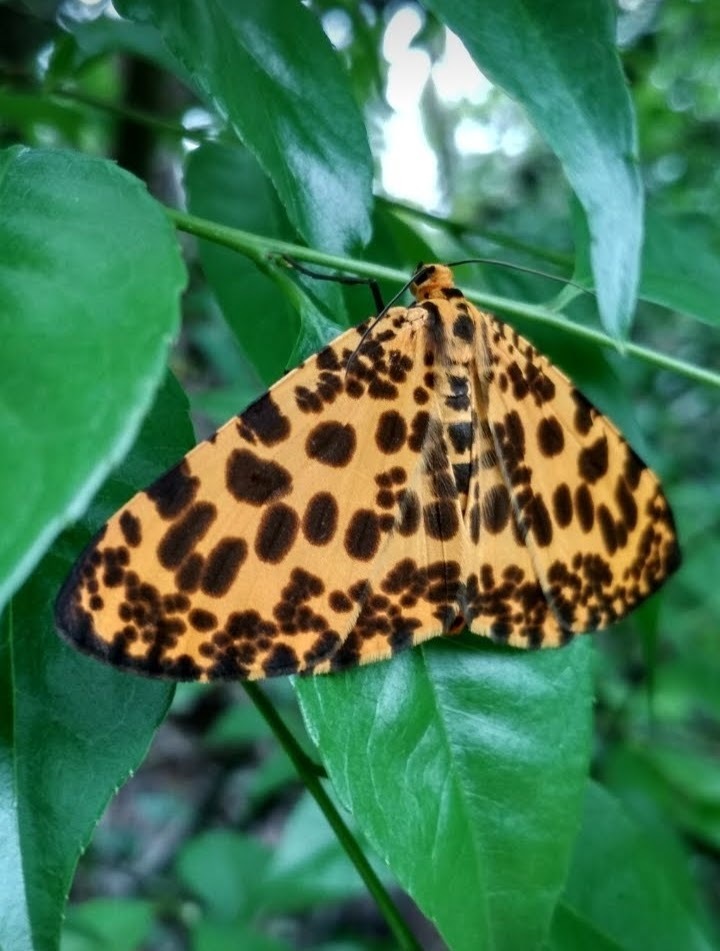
(260, 248)
(162, 126)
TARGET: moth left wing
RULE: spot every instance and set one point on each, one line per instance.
(298, 522)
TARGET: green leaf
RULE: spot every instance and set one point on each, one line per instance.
(225, 870)
(681, 783)
(571, 931)
(622, 889)
(560, 62)
(108, 924)
(465, 767)
(226, 184)
(223, 936)
(252, 61)
(680, 265)
(71, 729)
(25, 110)
(89, 291)
(108, 36)
(309, 865)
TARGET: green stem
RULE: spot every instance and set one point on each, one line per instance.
(162, 126)
(309, 775)
(258, 247)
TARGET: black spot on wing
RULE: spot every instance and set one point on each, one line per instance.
(550, 438)
(362, 538)
(320, 520)
(626, 503)
(607, 529)
(409, 513)
(540, 522)
(634, 468)
(180, 539)
(276, 533)
(202, 620)
(282, 660)
(459, 397)
(461, 474)
(460, 436)
(265, 420)
(419, 427)
(252, 479)
(332, 443)
(391, 432)
(222, 566)
(593, 460)
(173, 491)
(584, 411)
(464, 328)
(475, 523)
(584, 507)
(130, 528)
(187, 578)
(562, 505)
(496, 509)
(327, 360)
(340, 602)
(441, 520)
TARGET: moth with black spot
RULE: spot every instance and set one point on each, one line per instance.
(432, 473)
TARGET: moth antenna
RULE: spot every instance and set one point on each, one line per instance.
(525, 270)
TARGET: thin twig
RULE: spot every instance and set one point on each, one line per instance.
(307, 772)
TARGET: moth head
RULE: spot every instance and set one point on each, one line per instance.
(429, 280)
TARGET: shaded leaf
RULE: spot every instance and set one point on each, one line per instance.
(302, 123)
(560, 62)
(621, 891)
(107, 924)
(226, 184)
(225, 870)
(86, 314)
(309, 865)
(680, 265)
(71, 730)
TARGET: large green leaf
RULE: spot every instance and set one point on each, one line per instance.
(465, 766)
(71, 730)
(270, 69)
(621, 892)
(89, 288)
(560, 62)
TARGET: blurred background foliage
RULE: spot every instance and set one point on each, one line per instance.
(214, 838)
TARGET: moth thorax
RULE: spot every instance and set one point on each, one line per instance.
(460, 348)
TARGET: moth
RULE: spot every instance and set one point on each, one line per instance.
(420, 475)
